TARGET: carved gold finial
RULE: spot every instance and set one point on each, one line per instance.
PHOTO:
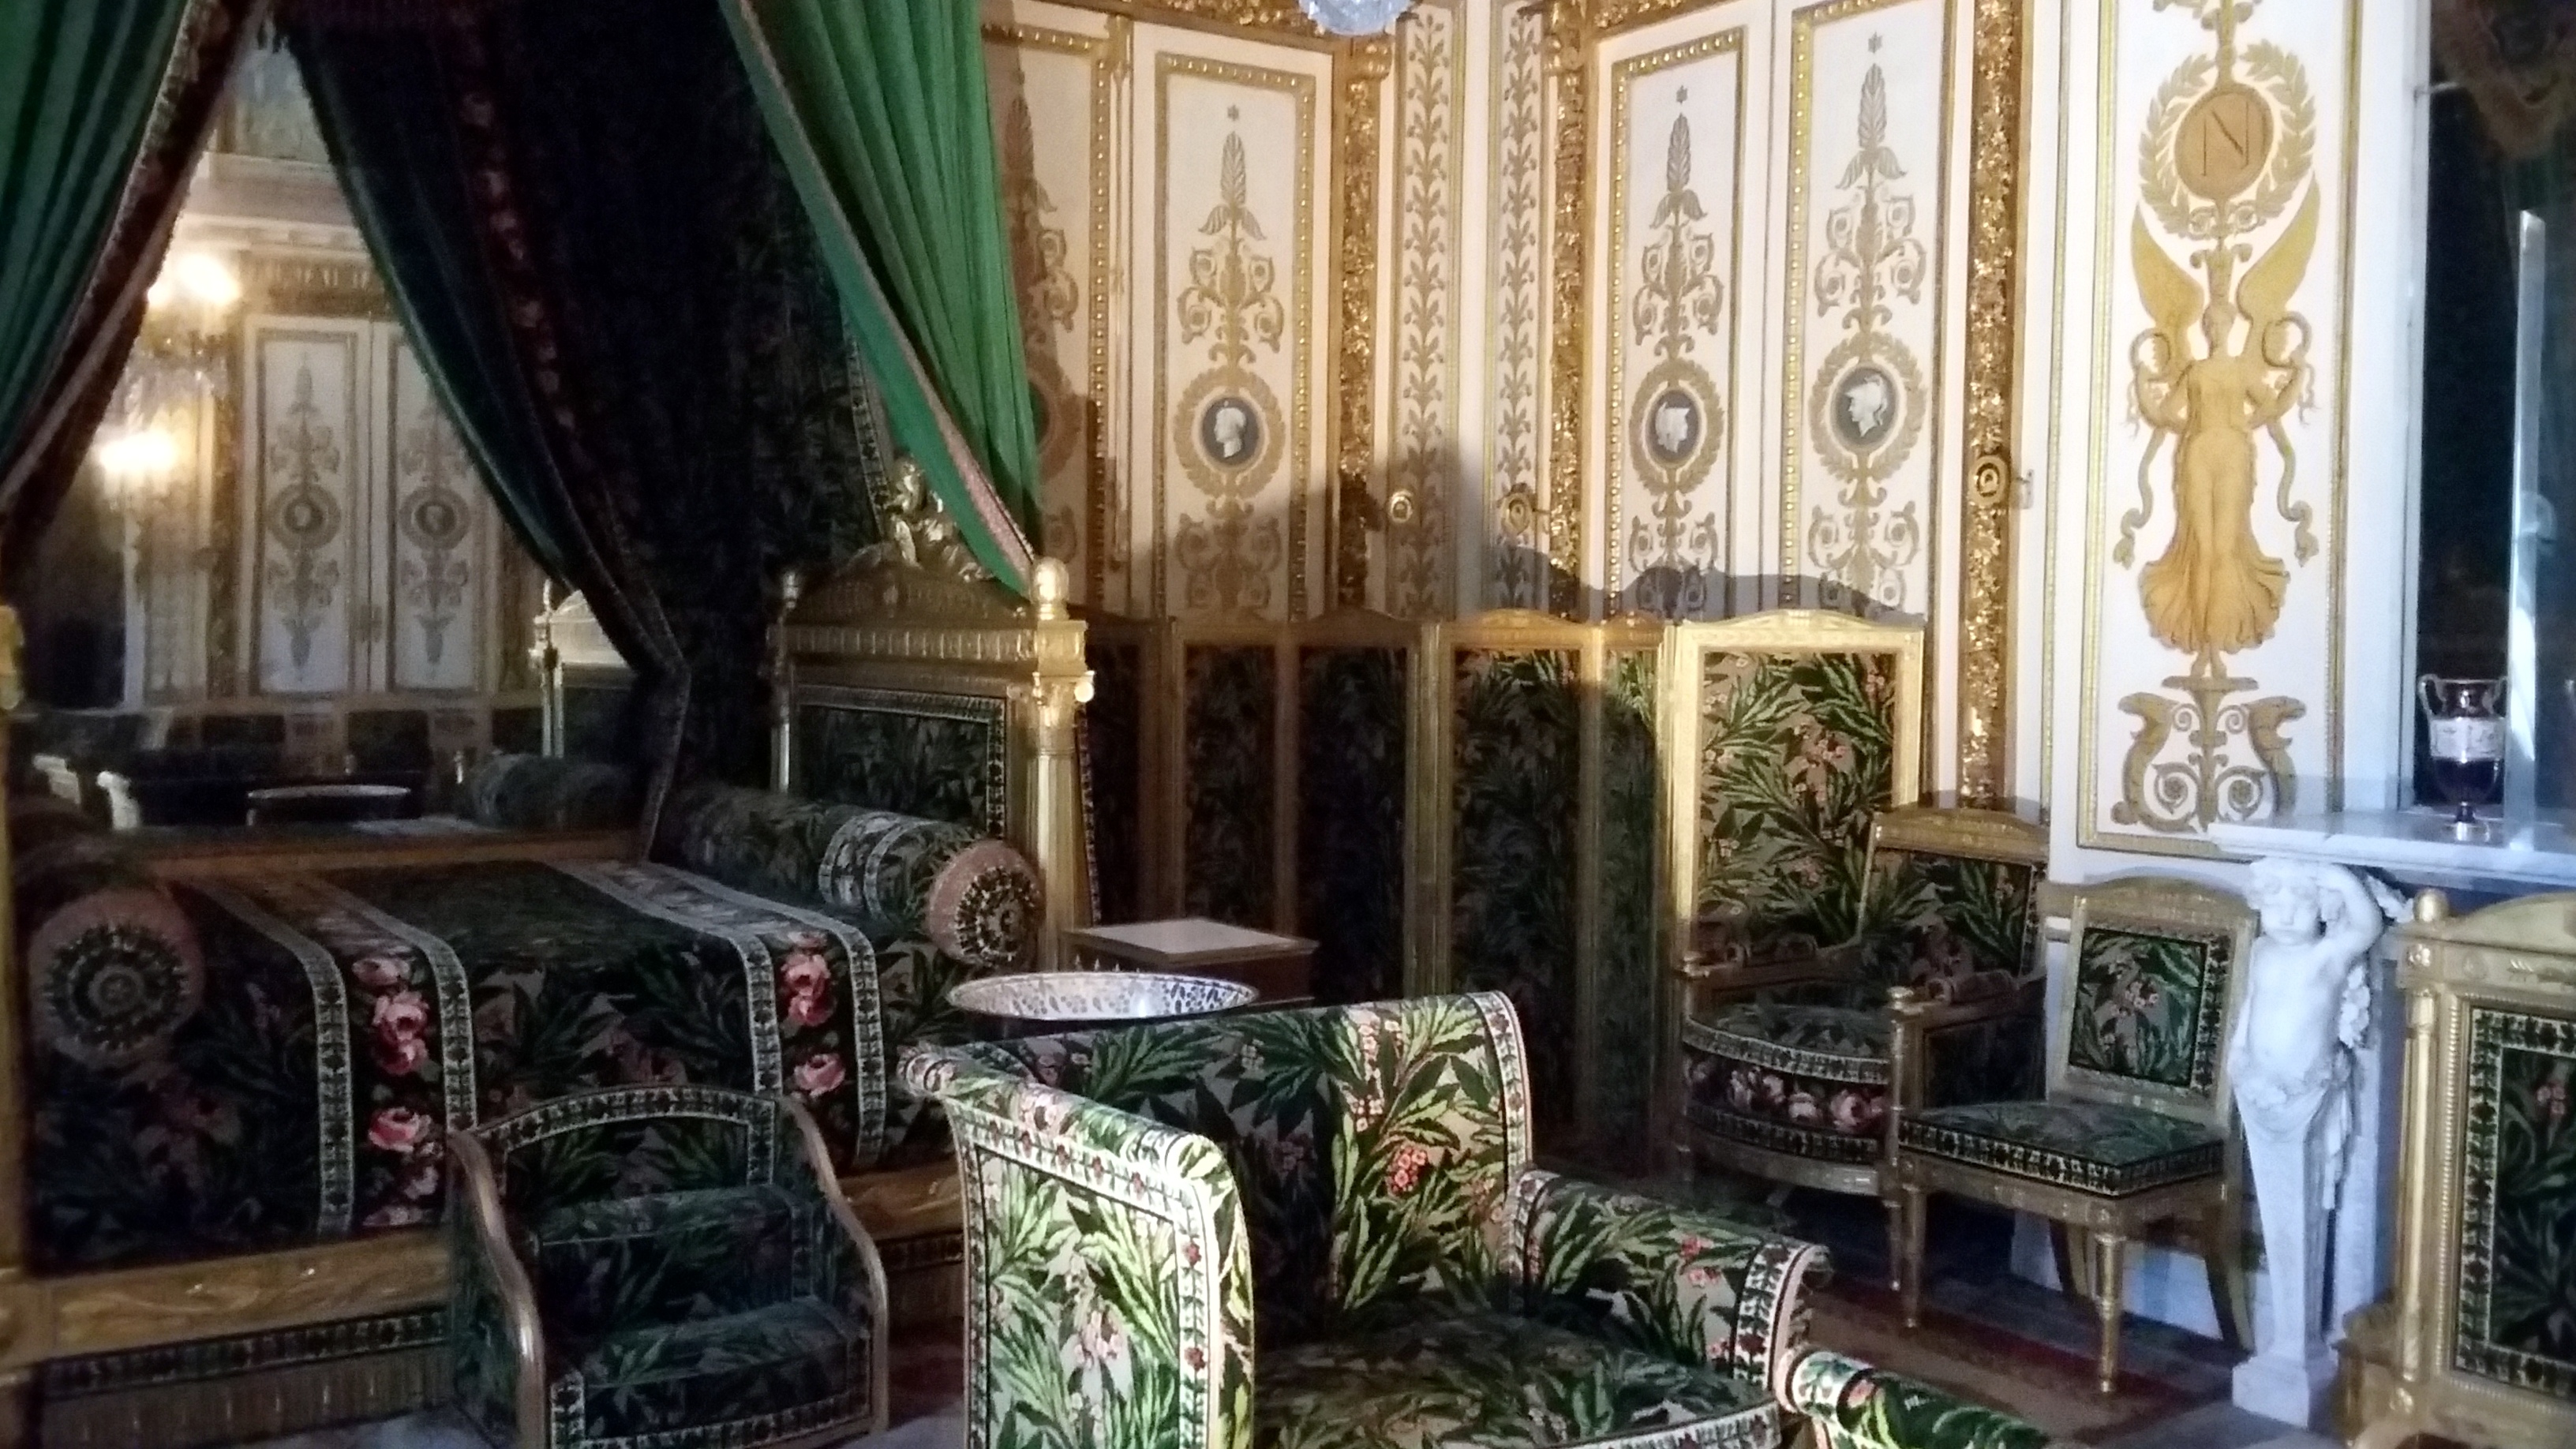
(1048, 588)
(2432, 906)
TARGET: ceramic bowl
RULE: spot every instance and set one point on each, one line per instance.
(1098, 998)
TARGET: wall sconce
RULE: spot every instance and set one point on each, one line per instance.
(138, 464)
(187, 322)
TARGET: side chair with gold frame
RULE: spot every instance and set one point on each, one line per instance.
(2477, 1343)
(2138, 1127)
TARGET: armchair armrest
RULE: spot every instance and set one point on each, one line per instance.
(495, 1340)
(855, 1272)
(1711, 974)
(1094, 1234)
(1854, 1406)
(1690, 1285)
(1914, 1015)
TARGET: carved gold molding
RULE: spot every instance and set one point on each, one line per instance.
(1997, 140)
(1569, 57)
(1359, 88)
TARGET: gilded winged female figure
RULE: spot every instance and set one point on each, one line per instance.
(2215, 591)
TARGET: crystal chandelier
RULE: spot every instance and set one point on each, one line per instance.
(1355, 17)
(178, 356)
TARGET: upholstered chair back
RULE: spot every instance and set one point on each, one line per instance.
(633, 1141)
(1953, 901)
(1370, 1145)
(1801, 726)
(2155, 969)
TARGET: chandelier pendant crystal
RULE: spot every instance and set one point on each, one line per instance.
(1355, 17)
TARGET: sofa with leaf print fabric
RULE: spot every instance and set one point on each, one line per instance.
(1350, 1188)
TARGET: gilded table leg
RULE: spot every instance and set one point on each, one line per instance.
(2109, 1272)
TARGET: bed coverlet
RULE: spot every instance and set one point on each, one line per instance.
(351, 1019)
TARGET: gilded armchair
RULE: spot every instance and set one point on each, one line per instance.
(1789, 1061)
(664, 1265)
(1350, 1188)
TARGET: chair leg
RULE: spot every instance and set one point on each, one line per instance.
(2109, 1269)
(1909, 1254)
(2223, 1257)
(1894, 1202)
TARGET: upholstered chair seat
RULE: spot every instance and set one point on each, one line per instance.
(669, 1266)
(2096, 1147)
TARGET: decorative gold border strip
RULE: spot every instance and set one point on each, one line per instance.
(1569, 60)
(1996, 145)
(1359, 96)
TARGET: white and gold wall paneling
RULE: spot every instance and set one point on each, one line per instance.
(308, 462)
(1502, 512)
(1675, 366)
(440, 591)
(1232, 161)
(2215, 410)
(1054, 76)
(1421, 232)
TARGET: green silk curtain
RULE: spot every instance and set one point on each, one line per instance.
(879, 108)
(88, 185)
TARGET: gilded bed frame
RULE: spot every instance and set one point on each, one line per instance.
(896, 636)
(2514, 963)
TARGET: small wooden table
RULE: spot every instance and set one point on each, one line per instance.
(1279, 967)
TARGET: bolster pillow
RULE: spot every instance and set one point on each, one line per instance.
(113, 967)
(546, 792)
(975, 898)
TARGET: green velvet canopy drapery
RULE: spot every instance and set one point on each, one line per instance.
(880, 110)
(103, 106)
(577, 208)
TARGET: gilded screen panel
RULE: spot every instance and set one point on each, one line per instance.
(1863, 420)
(2213, 642)
(1625, 1026)
(1351, 779)
(1232, 154)
(1050, 72)
(1673, 402)
(1516, 802)
(1113, 784)
(2517, 1196)
(309, 458)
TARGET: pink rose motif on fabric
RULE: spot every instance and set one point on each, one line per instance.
(806, 977)
(381, 973)
(401, 1024)
(400, 1129)
(818, 1074)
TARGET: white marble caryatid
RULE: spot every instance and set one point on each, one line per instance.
(2306, 1017)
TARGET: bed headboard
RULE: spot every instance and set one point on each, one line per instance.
(902, 685)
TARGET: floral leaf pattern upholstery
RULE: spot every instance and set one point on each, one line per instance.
(693, 1282)
(1117, 1274)
(1517, 742)
(1229, 728)
(2149, 1008)
(1113, 775)
(1797, 751)
(1932, 916)
(1350, 834)
(2517, 1241)
(1499, 1380)
(1811, 1080)
(2095, 1147)
(939, 756)
(1851, 1405)
(350, 1020)
(1631, 787)
(1108, 1300)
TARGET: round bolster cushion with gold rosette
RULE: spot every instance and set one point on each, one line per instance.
(113, 968)
(975, 898)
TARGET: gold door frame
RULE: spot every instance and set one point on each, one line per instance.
(1435, 777)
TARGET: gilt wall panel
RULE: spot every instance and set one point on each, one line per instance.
(1427, 121)
(2214, 611)
(1052, 71)
(1232, 162)
(308, 465)
(1676, 394)
(1510, 501)
(439, 538)
(1865, 417)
